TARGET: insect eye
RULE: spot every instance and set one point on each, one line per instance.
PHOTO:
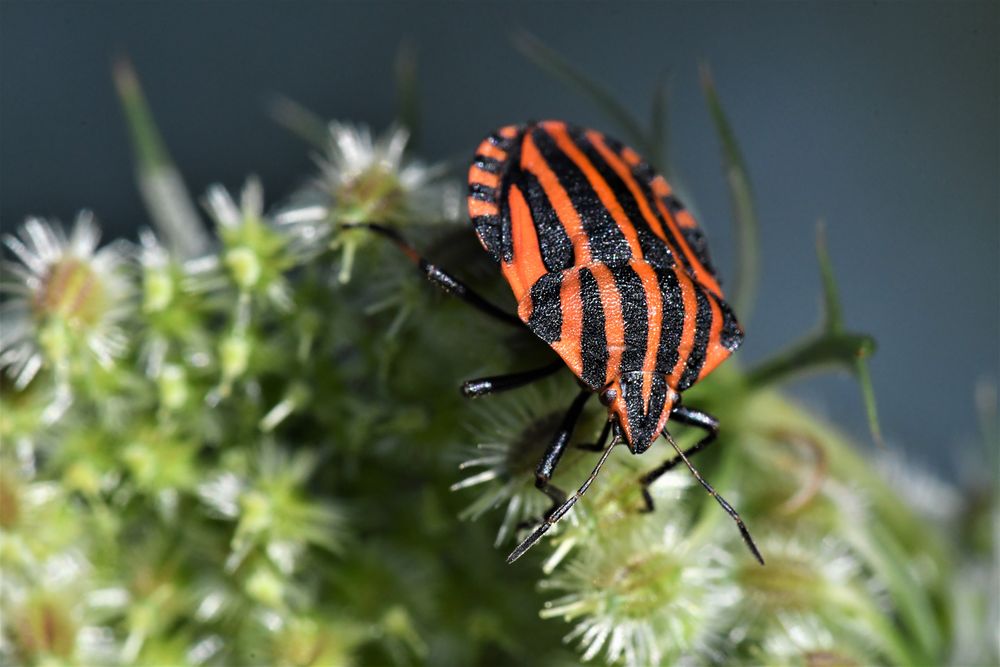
(608, 396)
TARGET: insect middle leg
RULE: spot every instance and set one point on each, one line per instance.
(691, 417)
(439, 276)
(602, 439)
(498, 383)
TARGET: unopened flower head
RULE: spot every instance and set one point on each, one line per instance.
(511, 443)
(256, 254)
(368, 180)
(642, 594)
(68, 298)
(808, 585)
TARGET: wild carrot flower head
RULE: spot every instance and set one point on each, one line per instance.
(67, 300)
(367, 179)
(255, 253)
(643, 595)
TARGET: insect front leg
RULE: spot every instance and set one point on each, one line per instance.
(602, 440)
(547, 466)
(439, 276)
(691, 417)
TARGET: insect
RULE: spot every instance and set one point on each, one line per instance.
(613, 273)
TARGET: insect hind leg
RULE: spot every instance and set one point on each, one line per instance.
(439, 276)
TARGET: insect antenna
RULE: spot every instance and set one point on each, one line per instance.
(719, 499)
(560, 511)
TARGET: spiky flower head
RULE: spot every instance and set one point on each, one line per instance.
(272, 514)
(510, 443)
(68, 299)
(644, 595)
(368, 179)
(256, 254)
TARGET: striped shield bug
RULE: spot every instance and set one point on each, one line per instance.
(612, 272)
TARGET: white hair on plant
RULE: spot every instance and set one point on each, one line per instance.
(67, 296)
(510, 443)
(366, 179)
(256, 252)
(642, 594)
(355, 159)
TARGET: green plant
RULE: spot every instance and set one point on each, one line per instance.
(237, 448)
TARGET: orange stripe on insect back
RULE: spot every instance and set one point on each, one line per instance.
(686, 220)
(690, 300)
(532, 160)
(478, 207)
(558, 132)
(508, 131)
(715, 353)
(660, 186)
(483, 177)
(489, 150)
(526, 264)
(568, 346)
(624, 173)
(614, 320)
(705, 276)
(654, 310)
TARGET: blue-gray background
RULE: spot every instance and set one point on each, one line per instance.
(880, 118)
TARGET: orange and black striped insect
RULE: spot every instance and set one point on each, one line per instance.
(613, 273)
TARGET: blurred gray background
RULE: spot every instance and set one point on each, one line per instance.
(880, 118)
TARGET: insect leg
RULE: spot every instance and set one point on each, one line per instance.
(602, 440)
(437, 275)
(498, 383)
(547, 466)
(733, 514)
(690, 417)
(561, 510)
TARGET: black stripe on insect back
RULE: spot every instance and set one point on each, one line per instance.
(643, 418)
(654, 250)
(593, 340)
(482, 192)
(644, 174)
(702, 331)
(557, 249)
(503, 143)
(672, 321)
(607, 243)
(546, 308)
(488, 229)
(490, 164)
(731, 334)
(693, 235)
(635, 315)
(505, 245)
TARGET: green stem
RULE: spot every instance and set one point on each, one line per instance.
(824, 349)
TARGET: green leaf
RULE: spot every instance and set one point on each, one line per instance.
(741, 194)
(167, 199)
(831, 346)
(833, 316)
(555, 64)
(302, 122)
(407, 93)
